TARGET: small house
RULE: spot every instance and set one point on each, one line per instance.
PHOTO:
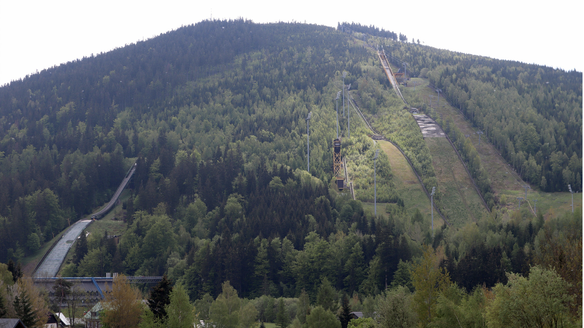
(92, 316)
(11, 323)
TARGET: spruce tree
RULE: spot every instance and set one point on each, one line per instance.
(282, 318)
(24, 310)
(160, 298)
(80, 248)
(2, 306)
(345, 315)
(15, 270)
(326, 296)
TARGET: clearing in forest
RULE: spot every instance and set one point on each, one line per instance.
(506, 183)
(406, 182)
(460, 200)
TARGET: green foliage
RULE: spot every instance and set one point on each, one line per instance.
(321, 318)
(282, 318)
(345, 311)
(149, 320)
(213, 115)
(303, 307)
(228, 310)
(5, 275)
(395, 308)
(456, 308)
(80, 248)
(24, 310)
(429, 281)
(540, 300)
(362, 323)
(472, 160)
(402, 276)
(160, 298)
(327, 296)
(2, 306)
(180, 312)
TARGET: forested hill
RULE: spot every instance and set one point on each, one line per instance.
(531, 113)
(192, 96)
(214, 115)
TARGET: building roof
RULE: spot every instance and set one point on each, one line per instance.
(63, 318)
(11, 323)
(96, 308)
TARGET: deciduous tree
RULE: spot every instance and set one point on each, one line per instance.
(122, 308)
(540, 300)
(321, 318)
(429, 280)
(180, 310)
(395, 308)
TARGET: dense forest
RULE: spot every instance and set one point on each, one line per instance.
(214, 116)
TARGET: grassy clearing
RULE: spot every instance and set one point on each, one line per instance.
(370, 207)
(506, 183)
(501, 174)
(550, 204)
(406, 182)
(460, 201)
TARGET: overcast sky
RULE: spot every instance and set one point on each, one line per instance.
(35, 35)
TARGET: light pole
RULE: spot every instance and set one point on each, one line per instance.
(479, 132)
(571, 192)
(525, 186)
(406, 70)
(432, 208)
(535, 206)
(375, 180)
(308, 139)
(520, 198)
(344, 75)
(438, 91)
(337, 101)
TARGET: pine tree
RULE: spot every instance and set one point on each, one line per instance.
(160, 298)
(62, 289)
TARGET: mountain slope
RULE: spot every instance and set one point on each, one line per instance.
(214, 115)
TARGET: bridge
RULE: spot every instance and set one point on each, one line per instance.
(53, 259)
(94, 288)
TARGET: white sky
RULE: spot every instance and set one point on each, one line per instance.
(35, 35)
